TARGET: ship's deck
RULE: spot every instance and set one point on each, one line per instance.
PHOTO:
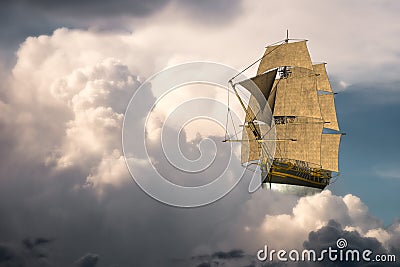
(286, 173)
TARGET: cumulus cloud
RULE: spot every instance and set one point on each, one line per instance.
(86, 109)
(61, 118)
(315, 222)
(328, 235)
(312, 213)
(97, 97)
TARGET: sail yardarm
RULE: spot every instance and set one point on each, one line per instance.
(328, 111)
(287, 54)
(330, 151)
(251, 149)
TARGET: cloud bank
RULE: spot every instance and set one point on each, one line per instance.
(63, 177)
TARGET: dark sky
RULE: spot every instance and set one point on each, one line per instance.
(68, 70)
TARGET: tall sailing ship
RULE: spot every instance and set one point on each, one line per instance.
(303, 151)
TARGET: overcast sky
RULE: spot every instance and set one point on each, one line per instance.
(68, 70)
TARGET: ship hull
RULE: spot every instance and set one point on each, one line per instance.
(292, 175)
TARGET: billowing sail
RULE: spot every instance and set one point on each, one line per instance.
(297, 95)
(306, 140)
(330, 152)
(251, 148)
(271, 99)
(262, 82)
(328, 110)
(285, 54)
(323, 83)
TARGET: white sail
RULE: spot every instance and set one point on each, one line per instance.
(285, 54)
(305, 144)
(263, 83)
(328, 110)
(251, 147)
(297, 95)
(330, 152)
(323, 83)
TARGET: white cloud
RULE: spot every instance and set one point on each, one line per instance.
(291, 228)
(388, 173)
(70, 108)
(380, 234)
(96, 97)
(69, 90)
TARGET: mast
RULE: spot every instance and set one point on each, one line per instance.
(287, 36)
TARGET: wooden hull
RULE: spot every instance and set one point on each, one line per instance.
(286, 173)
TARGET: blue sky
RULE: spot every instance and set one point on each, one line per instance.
(369, 152)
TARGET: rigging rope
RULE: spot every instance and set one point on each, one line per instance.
(252, 64)
(227, 117)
